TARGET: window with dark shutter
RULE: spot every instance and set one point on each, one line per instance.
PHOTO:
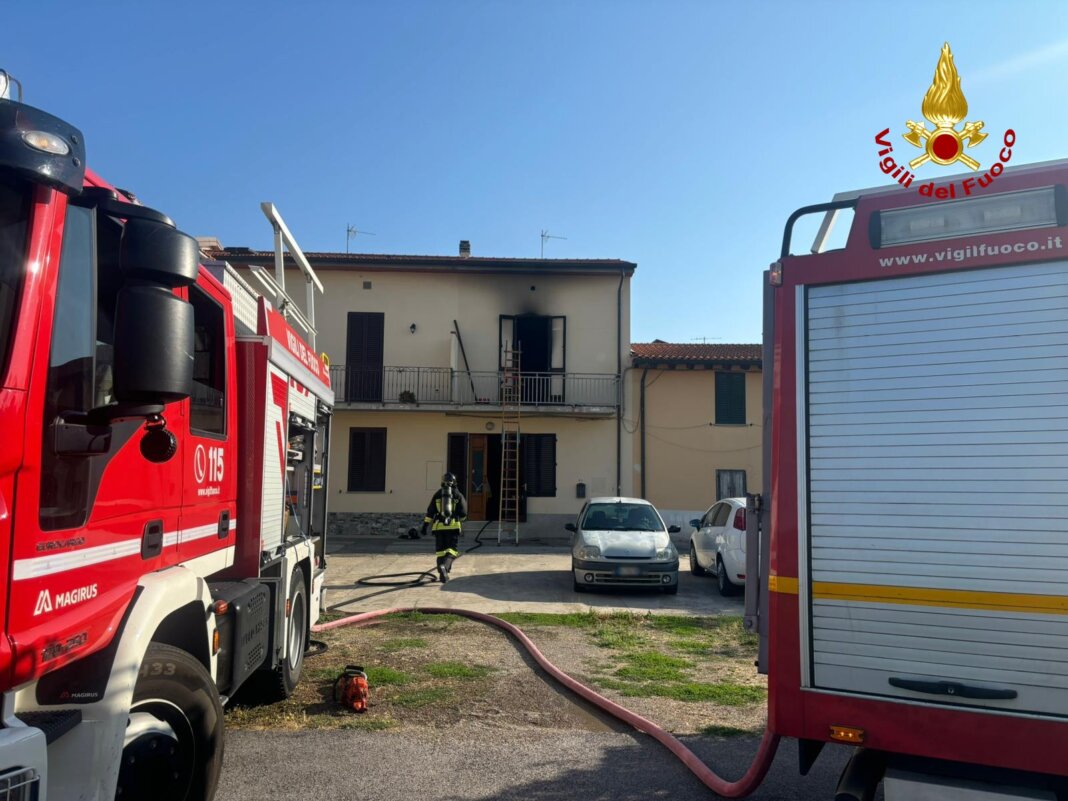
(730, 398)
(367, 460)
(538, 453)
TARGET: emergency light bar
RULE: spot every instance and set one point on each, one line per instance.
(1009, 211)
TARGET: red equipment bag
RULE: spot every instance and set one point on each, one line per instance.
(351, 689)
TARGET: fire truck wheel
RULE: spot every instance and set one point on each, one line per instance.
(723, 584)
(174, 739)
(695, 566)
(296, 636)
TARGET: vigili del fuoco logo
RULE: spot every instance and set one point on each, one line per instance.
(945, 107)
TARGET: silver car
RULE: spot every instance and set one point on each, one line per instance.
(623, 542)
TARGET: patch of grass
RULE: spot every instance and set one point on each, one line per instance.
(379, 676)
(699, 647)
(327, 616)
(416, 699)
(320, 673)
(715, 730)
(622, 635)
(723, 693)
(653, 666)
(573, 620)
(457, 670)
(402, 643)
(364, 723)
(423, 617)
(681, 624)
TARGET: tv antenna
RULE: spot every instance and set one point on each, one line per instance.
(546, 235)
(706, 340)
(350, 234)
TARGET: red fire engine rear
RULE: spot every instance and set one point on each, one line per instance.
(914, 527)
(162, 509)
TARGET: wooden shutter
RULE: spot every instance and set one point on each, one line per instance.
(367, 460)
(538, 452)
(730, 398)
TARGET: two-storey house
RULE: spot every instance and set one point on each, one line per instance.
(422, 351)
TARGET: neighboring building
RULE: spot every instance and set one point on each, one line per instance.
(417, 346)
(695, 413)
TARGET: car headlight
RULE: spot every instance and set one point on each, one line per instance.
(588, 552)
(667, 554)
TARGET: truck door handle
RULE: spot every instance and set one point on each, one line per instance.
(224, 524)
(953, 688)
(152, 539)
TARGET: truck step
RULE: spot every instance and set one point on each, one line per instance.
(53, 724)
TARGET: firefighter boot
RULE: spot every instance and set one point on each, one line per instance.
(448, 565)
(443, 573)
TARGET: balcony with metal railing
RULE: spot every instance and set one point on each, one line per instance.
(445, 389)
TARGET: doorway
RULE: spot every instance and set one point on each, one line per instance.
(467, 452)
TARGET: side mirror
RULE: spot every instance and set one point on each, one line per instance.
(153, 346)
(157, 252)
(571, 527)
(674, 529)
(695, 523)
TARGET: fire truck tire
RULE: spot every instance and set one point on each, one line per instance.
(723, 584)
(288, 673)
(175, 730)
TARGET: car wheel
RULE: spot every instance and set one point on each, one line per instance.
(723, 584)
(695, 566)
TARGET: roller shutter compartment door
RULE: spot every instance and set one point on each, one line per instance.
(937, 477)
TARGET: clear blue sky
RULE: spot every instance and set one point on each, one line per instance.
(679, 135)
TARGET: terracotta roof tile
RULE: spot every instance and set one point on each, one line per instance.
(696, 353)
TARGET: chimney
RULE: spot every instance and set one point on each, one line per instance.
(465, 248)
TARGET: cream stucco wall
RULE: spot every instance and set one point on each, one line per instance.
(432, 301)
(416, 452)
(683, 451)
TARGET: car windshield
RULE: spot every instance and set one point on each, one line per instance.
(621, 517)
(14, 216)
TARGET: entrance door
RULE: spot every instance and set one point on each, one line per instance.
(363, 357)
(479, 492)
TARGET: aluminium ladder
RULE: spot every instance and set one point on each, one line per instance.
(511, 398)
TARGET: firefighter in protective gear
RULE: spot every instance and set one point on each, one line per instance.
(445, 516)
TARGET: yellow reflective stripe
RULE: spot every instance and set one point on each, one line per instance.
(440, 553)
(452, 552)
(428, 520)
(784, 584)
(926, 596)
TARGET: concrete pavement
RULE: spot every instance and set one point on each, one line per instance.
(530, 577)
(471, 763)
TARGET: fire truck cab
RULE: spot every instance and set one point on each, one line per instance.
(162, 464)
(912, 544)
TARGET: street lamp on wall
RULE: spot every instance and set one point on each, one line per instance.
(412, 328)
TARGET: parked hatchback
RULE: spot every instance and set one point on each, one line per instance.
(718, 545)
(623, 542)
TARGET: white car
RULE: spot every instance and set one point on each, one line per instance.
(718, 545)
(623, 542)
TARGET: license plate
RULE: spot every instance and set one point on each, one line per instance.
(628, 571)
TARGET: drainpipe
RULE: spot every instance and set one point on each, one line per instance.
(619, 385)
(641, 420)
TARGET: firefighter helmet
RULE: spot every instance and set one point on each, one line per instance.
(448, 480)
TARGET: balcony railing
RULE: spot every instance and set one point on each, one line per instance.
(441, 386)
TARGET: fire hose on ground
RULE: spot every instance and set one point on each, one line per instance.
(736, 789)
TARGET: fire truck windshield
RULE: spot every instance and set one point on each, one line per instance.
(14, 223)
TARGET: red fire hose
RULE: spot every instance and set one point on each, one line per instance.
(737, 789)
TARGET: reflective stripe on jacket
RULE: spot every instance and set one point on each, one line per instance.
(435, 515)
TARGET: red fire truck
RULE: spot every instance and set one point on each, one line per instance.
(913, 537)
(163, 456)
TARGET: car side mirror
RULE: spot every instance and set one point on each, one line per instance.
(571, 527)
(695, 523)
(674, 529)
(153, 346)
